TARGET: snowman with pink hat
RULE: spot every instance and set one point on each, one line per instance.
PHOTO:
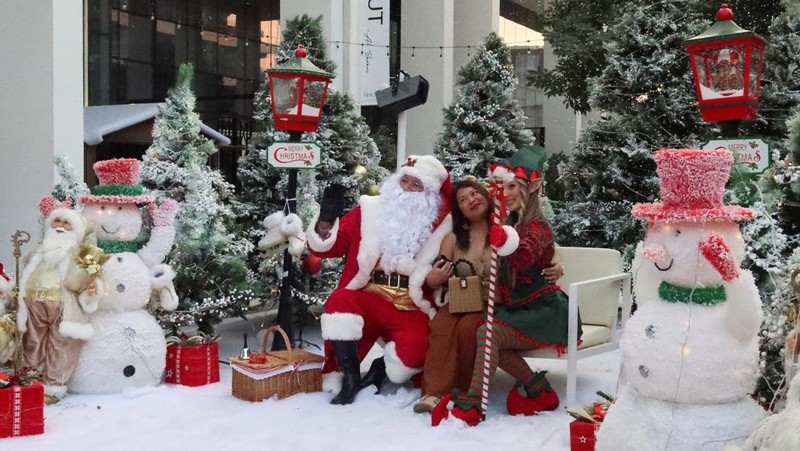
(690, 352)
(128, 348)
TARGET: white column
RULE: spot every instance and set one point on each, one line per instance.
(337, 35)
(41, 112)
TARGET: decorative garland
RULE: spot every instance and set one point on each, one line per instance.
(116, 246)
(703, 296)
(117, 190)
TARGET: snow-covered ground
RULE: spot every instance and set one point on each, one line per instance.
(172, 417)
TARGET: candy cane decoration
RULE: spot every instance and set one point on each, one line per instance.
(499, 210)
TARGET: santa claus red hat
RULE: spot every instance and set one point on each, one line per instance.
(427, 169)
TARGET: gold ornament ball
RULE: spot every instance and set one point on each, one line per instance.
(373, 190)
(360, 172)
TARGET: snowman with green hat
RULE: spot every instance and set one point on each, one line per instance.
(128, 348)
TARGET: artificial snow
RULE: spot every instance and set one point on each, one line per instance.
(172, 417)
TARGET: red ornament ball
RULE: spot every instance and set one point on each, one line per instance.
(312, 264)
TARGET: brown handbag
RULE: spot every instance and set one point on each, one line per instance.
(466, 293)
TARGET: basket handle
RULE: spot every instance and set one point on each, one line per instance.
(268, 331)
(471, 267)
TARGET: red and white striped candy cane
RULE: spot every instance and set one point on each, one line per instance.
(499, 211)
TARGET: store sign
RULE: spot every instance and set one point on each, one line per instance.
(294, 155)
(749, 154)
(373, 64)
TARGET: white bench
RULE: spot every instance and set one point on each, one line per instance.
(596, 284)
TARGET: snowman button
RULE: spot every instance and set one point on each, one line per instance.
(119, 259)
(120, 288)
(130, 331)
(650, 331)
(644, 371)
(129, 371)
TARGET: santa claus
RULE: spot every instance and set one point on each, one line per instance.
(57, 295)
(390, 242)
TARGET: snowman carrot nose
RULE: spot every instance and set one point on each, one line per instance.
(719, 255)
(656, 254)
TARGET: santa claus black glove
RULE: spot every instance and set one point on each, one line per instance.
(332, 203)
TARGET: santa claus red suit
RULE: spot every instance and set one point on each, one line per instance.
(389, 243)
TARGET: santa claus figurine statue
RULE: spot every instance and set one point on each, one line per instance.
(56, 293)
(390, 242)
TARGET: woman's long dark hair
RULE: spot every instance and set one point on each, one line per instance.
(460, 222)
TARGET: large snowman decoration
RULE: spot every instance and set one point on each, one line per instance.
(690, 353)
(128, 349)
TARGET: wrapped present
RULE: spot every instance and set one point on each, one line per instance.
(22, 410)
(192, 362)
(581, 435)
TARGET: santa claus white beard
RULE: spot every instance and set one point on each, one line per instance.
(406, 223)
(57, 248)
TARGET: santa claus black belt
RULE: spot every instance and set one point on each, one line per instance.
(392, 280)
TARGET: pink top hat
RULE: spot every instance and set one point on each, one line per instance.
(692, 185)
(119, 183)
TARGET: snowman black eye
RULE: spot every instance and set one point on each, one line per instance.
(119, 208)
(677, 233)
(103, 207)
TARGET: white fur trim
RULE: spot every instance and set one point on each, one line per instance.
(511, 244)
(342, 326)
(332, 382)
(161, 276)
(369, 249)
(424, 263)
(56, 391)
(396, 371)
(501, 173)
(79, 331)
(317, 244)
(22, 316)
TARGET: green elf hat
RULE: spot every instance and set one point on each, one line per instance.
(119, 183)
(526, 164)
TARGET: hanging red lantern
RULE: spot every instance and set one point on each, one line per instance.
(726, 63)
(312, 264)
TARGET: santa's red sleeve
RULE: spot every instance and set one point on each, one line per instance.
(345, 230)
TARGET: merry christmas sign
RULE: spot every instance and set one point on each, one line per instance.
(294, 155)
(750, 155)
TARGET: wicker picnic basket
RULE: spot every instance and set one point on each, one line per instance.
(285, 373)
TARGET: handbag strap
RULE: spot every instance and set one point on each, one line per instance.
(469, 263)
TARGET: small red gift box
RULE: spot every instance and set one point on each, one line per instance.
(22, 410)
(581, 435)
(192, 365)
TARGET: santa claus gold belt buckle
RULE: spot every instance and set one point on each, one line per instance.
(396, 278)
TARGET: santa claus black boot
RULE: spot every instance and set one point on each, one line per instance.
(376, 375)
(347, 359)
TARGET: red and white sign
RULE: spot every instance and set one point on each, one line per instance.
(292, 155)
(750, 155)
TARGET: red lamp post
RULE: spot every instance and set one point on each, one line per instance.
(726, 63)
(298, 89)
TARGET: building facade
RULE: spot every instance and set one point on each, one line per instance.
(68, 54)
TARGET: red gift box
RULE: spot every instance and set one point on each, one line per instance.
(192, 365)
(581, 435)
(22, 410)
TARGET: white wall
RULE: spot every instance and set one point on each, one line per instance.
(41, 107)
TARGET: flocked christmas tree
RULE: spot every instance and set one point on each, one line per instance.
(484, 124)
(646, 101)
(349, 157)
(212, 279)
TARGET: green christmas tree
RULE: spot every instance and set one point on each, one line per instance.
(646, 99)
(212, 279)
(484, 123)
(349, 157)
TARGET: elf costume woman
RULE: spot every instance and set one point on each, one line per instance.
(531, 313)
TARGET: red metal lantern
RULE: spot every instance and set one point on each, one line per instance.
(726, 63)
(298, 89)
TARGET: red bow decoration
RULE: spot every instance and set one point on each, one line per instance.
(3, 274)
